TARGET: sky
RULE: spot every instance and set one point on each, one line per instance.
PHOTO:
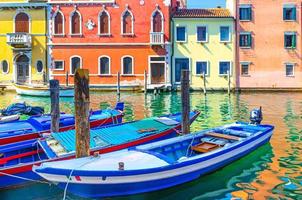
(205, 3)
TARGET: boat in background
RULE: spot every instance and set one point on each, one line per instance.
(17, 159)
(42, 90)
(10, 118)
(157, 165)
(36, 126)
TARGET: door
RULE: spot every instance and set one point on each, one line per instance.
(180, 64)
(157, 73)
(22, 69)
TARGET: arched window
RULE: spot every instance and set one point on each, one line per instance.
(76, 23)
(104, 65)
(75, 63)
(104, 23)
(157, 22)
(39, 66)
(127, 23)
(22, 23)
(127, 63)
(4, 67)
(58, 23)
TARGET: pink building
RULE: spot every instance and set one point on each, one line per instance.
(268, 43)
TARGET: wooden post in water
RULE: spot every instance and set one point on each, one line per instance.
(81, 101)
(185, 101)
(55, 105)
(66, 78)
(145, 86)
(44, 78)
(118, 88)
(229, 82)
(204, 83)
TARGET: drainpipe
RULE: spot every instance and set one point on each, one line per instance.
(46, 46)
(172, 51)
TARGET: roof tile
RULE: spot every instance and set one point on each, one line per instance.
(203, 13)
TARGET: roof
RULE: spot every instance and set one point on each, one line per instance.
(203, 13)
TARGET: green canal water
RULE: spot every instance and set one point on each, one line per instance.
(273, 171)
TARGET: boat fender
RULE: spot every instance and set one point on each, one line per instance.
(121, 166)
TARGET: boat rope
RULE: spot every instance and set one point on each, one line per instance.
(69, 177)
(191, 144)
(24, 178)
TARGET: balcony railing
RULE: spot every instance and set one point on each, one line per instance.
(157, 38)
(19, 40)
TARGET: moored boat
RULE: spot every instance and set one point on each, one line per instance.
(17, 159)
(36, 126)
(157, 165)
(42, 91)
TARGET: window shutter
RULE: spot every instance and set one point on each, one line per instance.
(75, 23)
(250, 13)
(294, 13)
(249, 40)
(284, 13)
(285, 40)
(294, 41)
(22, 23)
(157, 25)
(58, 23)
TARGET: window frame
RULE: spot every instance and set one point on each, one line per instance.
(132, 23)
(231, 70)
(186, 35)
(99, 65)
(1, 65)
(70, 64)
(37, 66)
(70, 24)
(99, 23)
(248, 65)
(63, 23)
(29, 20)
(122, 65)
(63, 65)
(208, 63)
(162, 21)
(230, 35)
(289, 6)
(245, 6)
(207, 34)
(292, 34)
(251, 40)
(293, 66)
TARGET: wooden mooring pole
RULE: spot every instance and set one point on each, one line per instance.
(81, 101)
(185, 101)
(229, 82)
(146, 82)
(55, 105)
(204, 83)
(118, 87)
(66, 78)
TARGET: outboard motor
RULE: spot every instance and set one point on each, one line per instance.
(256, 116)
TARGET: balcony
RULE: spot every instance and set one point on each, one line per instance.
(157, 38)
(19, 40)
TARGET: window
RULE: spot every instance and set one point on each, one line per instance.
(245, 40)
(202, 34)
(224, 67)
(22, 23)
(76, 63)
(127, 65)
(245, 13)
(290, 40)
(104, 23)
(39, 66)
(225, 34)
(180, 34)
(157, 22)
(201, 67)
(289, 69)
(58, 65)
(104, 65)
(58, 23)
(289, 13)
(245, 69)
(76, 23)
(4, 67)
(127, 23)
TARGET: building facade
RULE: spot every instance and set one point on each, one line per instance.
(268, 44)
(204, 43)
(23, 41)
(110, 37)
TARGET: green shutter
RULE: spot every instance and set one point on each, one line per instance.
(294, 41)
(250, 13)
(249, 40)
(294, 13)
(284, 15)
(284, 40)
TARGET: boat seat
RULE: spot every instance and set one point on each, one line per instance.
(224, 136)
(205, 147)
(214, 140)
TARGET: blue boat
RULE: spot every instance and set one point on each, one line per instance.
(157, 165)
(36, 126)
(17, 159)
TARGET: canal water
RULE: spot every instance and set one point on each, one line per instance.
(273, 171)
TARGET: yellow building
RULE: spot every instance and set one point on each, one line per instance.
(204, 42)
(23, 54)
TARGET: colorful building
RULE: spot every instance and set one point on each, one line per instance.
(269, 43)
(204, 43)
(110, 37)
(22, 41)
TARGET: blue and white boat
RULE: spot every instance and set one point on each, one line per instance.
(156, 165)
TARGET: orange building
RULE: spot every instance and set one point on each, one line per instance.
(111, 36)
(268, 43)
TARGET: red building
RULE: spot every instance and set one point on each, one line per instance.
(111, 36)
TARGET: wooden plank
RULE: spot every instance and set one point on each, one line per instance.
(146, 82)
(82, 101)
(205, 147)
(185, 101)
(118, 88)
(224, 136)
(55, 105)
(66, 79)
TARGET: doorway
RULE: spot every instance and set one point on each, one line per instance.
(22, 63)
